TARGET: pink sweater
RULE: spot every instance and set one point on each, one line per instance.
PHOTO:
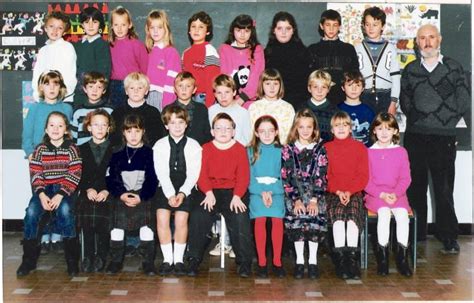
(128, 55)
(389, 171)
(163, 66)
(237, 60)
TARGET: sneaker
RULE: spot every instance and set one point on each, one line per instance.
(216, 251)
(450, 247)
(165, 269)
(45, 248)
(244, 270)
(231, 253)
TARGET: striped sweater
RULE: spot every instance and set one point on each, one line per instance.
(56, 165)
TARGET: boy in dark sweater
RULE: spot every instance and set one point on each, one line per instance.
(198, 128)
(333, 55)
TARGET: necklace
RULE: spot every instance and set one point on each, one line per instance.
(128, 157)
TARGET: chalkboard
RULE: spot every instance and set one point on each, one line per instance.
(455, 28)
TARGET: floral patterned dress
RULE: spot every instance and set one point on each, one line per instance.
(304, 176)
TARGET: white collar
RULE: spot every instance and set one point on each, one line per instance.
(377, 146)
(302, 146)
(90, 40)
(50, 42)
(318, 103)
(440, 59)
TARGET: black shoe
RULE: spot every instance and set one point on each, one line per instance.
(299, 271)
(149, 268)
(72, 268)
(403, 265)
(193, 267)
(57, 247)
(31, 251)
(165, 269)
(313, 271)
(244, 270)
(71, 254)
(113, 268)
(130, 251)
(179, 269)
(99, 264)
(339, 260)
(382, 260)
(262, 272)
(45, 248)
(279, 271)
(353, 264)
(450, 247)
(87, 265)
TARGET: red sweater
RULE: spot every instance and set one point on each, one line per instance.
(348, 168)
(202, 60)
(227, 169)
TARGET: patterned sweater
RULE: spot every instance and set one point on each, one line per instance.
(80, 134)
(434, 102)
(56, 165)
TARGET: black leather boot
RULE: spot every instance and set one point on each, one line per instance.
(339, 262)
(103, 241)
(71, 254)
(403, 265)
(382, 260)
(31, 251)
(353, 257)
(117, 250)
(147, 251)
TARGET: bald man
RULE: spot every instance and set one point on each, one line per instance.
(434, 96)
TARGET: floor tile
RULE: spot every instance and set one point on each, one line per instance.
(263, 281)
(214, 293)
(410, 295)
(444, 282)
(79, 279)
(351, 281)
(313, 294)
(44, 267)
(117, 292)
(170, 280)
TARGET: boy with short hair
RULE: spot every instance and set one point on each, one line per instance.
(201, 58)
(225, 91)
(378, 64)
(177, 161)
(319, 85)
(198, 126)
(361, 114)
(94, 86)
(223, 183)
(57, 54)
(136, 86)
(331, 54)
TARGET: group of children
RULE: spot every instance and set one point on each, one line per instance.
(161, 146)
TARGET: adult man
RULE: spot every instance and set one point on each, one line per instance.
(434, 96)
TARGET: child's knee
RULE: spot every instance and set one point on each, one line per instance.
(117, 234)
(146, 234)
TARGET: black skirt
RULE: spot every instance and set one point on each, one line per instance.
(177, 179)
(94, 215)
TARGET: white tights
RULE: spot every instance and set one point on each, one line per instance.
(146, 234)
(383, 225)
(340, 234)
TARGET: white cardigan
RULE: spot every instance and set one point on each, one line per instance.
(388, 70)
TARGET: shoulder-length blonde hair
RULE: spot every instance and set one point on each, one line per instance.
(304, 114)
(270, 74)
(159, 15)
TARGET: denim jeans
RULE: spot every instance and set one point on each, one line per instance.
(64, 215)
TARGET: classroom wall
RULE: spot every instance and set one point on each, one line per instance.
(455, 28)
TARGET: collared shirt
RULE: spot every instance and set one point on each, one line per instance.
(431, 68)
(90, 40)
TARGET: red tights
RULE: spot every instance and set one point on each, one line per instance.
(261, 240)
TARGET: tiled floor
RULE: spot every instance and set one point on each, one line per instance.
(438, 277)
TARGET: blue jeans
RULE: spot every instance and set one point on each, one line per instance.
(64, 215)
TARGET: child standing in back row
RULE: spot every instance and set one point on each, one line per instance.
(389, 178)
(164, 62)
(348, 173)
(127, 52)
(304, 166)
(378, 64)
(242, 57)
(201, 58)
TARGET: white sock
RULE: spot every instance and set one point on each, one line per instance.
(167, 250)
(383, 225)
(339, 233)
(403, 225)
(299, 249)
(178, 252)
(313, 253)
(352, 234)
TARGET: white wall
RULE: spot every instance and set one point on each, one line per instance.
(16, 188)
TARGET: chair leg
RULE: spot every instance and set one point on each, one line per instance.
(222, 240)
(365, 243)
(415, 240)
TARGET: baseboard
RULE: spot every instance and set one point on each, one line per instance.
(464, 228)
